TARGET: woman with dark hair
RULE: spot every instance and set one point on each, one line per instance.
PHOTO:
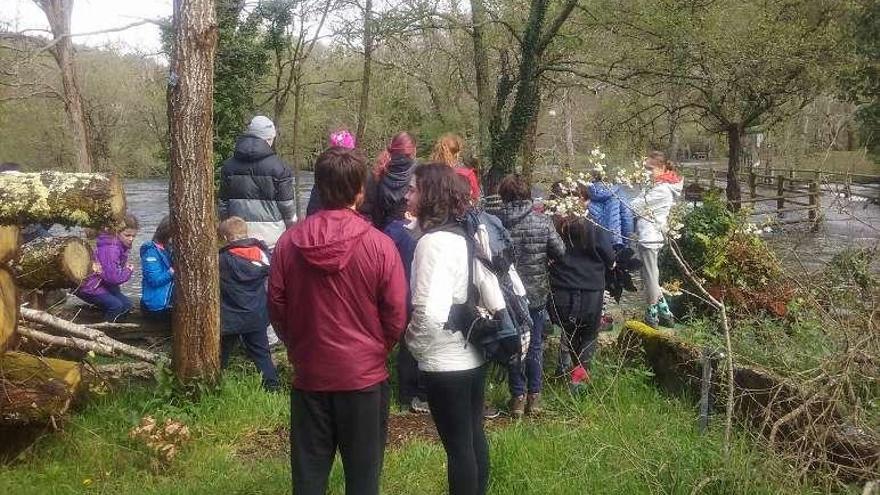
(157, 283)
(454, 371)
(577, 280)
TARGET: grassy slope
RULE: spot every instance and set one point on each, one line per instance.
(624, 437)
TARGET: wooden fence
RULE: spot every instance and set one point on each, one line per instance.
(792, 191)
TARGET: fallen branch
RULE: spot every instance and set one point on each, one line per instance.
(115, 372)
(72, 342)
(110, 325)
(88, 334)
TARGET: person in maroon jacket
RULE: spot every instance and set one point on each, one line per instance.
(337, 298)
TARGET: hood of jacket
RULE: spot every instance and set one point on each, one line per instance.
(252, 256)
(399, 172)
(328, 238)
(513, 212)
(251, 148)
(601, 192)
(153, 246)
(106, 240)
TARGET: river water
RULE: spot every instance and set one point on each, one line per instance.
(847, 223)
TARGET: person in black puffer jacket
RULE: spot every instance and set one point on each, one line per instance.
(256, 185)
(578, 282)
(535, 243)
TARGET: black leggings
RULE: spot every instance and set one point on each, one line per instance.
(456, 401)
(579, 313)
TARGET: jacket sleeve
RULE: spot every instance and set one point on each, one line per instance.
(432, 292)
(222, 194)
(314, 205)
(113, 268)
(555, 246)
(155, 273)
(626, 219)
(603, 247)
(277, 293)
(392, 297)
(284, 195)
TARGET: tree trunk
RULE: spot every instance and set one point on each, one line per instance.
(529, 145)
(364, 108)
(481, 74)
(196, 322)
(734, 150)
(35, 389)
(10, 238)
(294, 143)
(569, 129)
(58, 14)
(86, 200)
(9, 307)
(52, 263)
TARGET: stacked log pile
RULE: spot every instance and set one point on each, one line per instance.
(38, 390)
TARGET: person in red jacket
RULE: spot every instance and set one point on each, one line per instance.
(447, 150)
(338, 300)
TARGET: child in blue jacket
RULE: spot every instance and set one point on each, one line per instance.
(157, 283)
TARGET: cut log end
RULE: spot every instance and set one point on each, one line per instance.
(8, 308)
(53, 263)
(10, 238)
(117, 197)
(36, 390)
(76, 261)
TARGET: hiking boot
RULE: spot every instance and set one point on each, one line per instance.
(517, 406)
(419, 406)
(490, 412)
(652, 317)
(533, 404)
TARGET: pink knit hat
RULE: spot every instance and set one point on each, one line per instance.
(341, 139)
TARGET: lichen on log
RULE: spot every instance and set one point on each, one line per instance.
(8, 308)
(10, 238)
(86, 200)
(52, 263)
(35, 389)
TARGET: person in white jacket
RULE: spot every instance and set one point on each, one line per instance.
(454, 371)
(651, 209)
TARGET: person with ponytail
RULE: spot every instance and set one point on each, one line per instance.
(447, 150)
(651, 210)
(338, 139)
(392, 173)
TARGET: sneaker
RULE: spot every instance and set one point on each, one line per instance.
(665, 316)
(419, 406)
(652, 318)
(490, 412)
(580, 377)
(533, 404)
(517, 406)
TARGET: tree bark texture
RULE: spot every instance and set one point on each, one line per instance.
(734, 150)
(85, 200)
(58, 14)
(10, 238)
(9, 308)
(481, 76)
(195, 320)
(364, 108)
(34, 389)
(52, 263)
(92, 339)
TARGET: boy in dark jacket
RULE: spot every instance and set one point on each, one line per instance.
(244, 267)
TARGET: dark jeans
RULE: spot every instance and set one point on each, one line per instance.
(256, 346)
(114, 303)
(526, 376)
(355, 422)
(410, 381)
(456, 402)
(579, 313)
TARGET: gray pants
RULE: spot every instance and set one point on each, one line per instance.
(650, 273)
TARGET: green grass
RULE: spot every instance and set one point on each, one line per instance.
(622, 437)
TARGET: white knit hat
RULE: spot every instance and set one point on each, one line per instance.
(261, 127)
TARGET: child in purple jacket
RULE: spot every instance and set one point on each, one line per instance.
(112, 269)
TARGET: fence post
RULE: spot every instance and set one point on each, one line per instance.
(780, 194)
(847, 185)
(813, 213)
(712, 178)
(791, 173)
(753, 183)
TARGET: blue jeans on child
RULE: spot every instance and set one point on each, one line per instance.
(526, 376)
(114, 303)
(256, 346)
